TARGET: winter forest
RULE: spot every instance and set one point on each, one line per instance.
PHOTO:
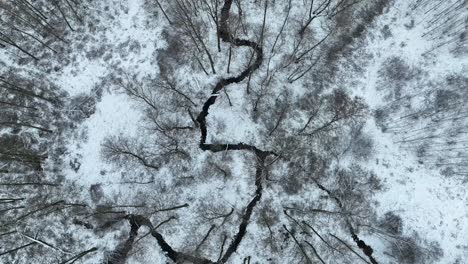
(234, 131)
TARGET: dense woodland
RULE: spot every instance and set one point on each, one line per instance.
(251, 142)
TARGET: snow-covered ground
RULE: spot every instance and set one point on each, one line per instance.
(434, 206)
(430, 204)
(122, 40)
(115, 115)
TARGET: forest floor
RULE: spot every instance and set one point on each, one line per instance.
(430, 204)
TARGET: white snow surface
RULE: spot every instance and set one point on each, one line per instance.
(428, 203)
(115, 115)
(435, 206)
